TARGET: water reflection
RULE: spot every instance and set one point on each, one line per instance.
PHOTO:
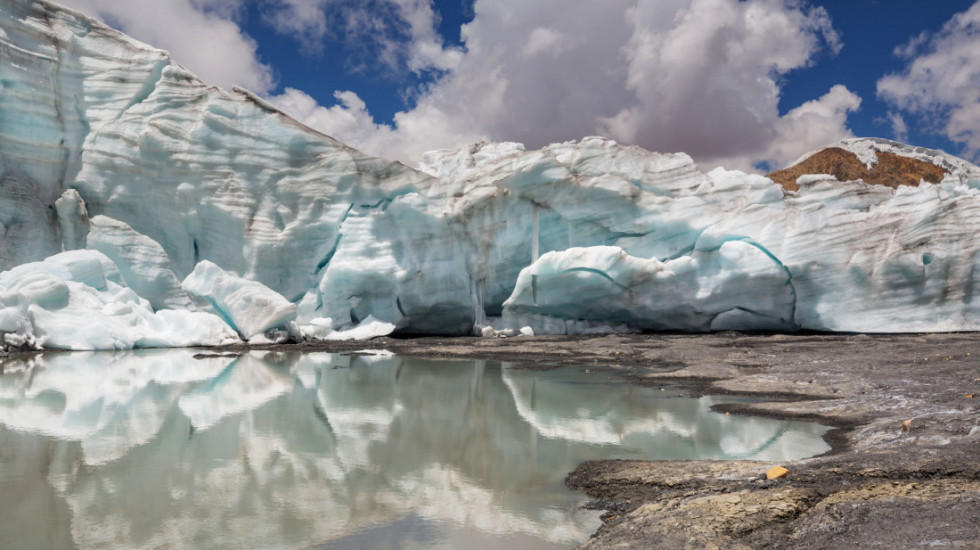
(288, 450)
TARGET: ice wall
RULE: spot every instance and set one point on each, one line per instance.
(107, 144)
(206, 173)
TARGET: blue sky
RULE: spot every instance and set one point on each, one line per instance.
(871, 30)
(743, 83)
(339, 67)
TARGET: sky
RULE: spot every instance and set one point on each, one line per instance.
(748, 84)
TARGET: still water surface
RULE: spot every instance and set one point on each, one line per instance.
(157, 449)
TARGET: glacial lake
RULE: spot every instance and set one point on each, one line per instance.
(158, 449)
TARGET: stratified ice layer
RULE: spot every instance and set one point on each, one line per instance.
(107, 144)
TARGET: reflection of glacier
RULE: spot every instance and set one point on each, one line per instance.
(600, 411)
(276, 450)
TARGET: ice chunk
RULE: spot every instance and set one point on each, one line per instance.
(73, 220)
(365, 330)
(77, 300)
(250, 307)
(180, 328)
(142, 262)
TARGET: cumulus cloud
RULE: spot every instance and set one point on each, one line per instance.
(940, 84)
(900, 128)
(349, 117)
(705, 74)
(302, 19)
(202, 35)
(701, 76)
(810, 126)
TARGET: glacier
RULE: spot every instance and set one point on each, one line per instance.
(166, 212)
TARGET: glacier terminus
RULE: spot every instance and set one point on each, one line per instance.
(140, 207)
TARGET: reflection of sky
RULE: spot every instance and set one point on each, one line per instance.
(284, 450)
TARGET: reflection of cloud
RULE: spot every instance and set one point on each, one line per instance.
(303, 449)
(447, 494)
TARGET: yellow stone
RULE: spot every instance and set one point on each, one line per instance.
(776, 472)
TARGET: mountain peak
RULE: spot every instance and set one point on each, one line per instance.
(877, 161)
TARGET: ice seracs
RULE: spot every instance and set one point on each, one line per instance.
(142, 263)
(214, 218)
(78, 300)
(734, 285)
(249, 307)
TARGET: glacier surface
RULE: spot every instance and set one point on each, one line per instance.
(166, 212)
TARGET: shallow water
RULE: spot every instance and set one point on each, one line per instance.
(156, 449)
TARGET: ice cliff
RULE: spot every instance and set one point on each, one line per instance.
(165, 212)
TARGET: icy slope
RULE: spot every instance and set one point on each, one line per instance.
(204, 201)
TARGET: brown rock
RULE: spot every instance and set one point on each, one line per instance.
(892, 170)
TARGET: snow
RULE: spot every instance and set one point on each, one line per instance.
(867, 149)
(123, 174)
(365, 330)
(807, 179)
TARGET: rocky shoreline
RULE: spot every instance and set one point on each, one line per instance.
(903, 471)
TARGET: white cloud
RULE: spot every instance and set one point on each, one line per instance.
(701, 76)
(706, 73)
(900, 128)
(544, 40)
(425, 47)
(200, 34)
(303, 19)
(814, 124)
(941, 83)
(348, 118)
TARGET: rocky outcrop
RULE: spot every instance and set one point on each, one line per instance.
(890, 169)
